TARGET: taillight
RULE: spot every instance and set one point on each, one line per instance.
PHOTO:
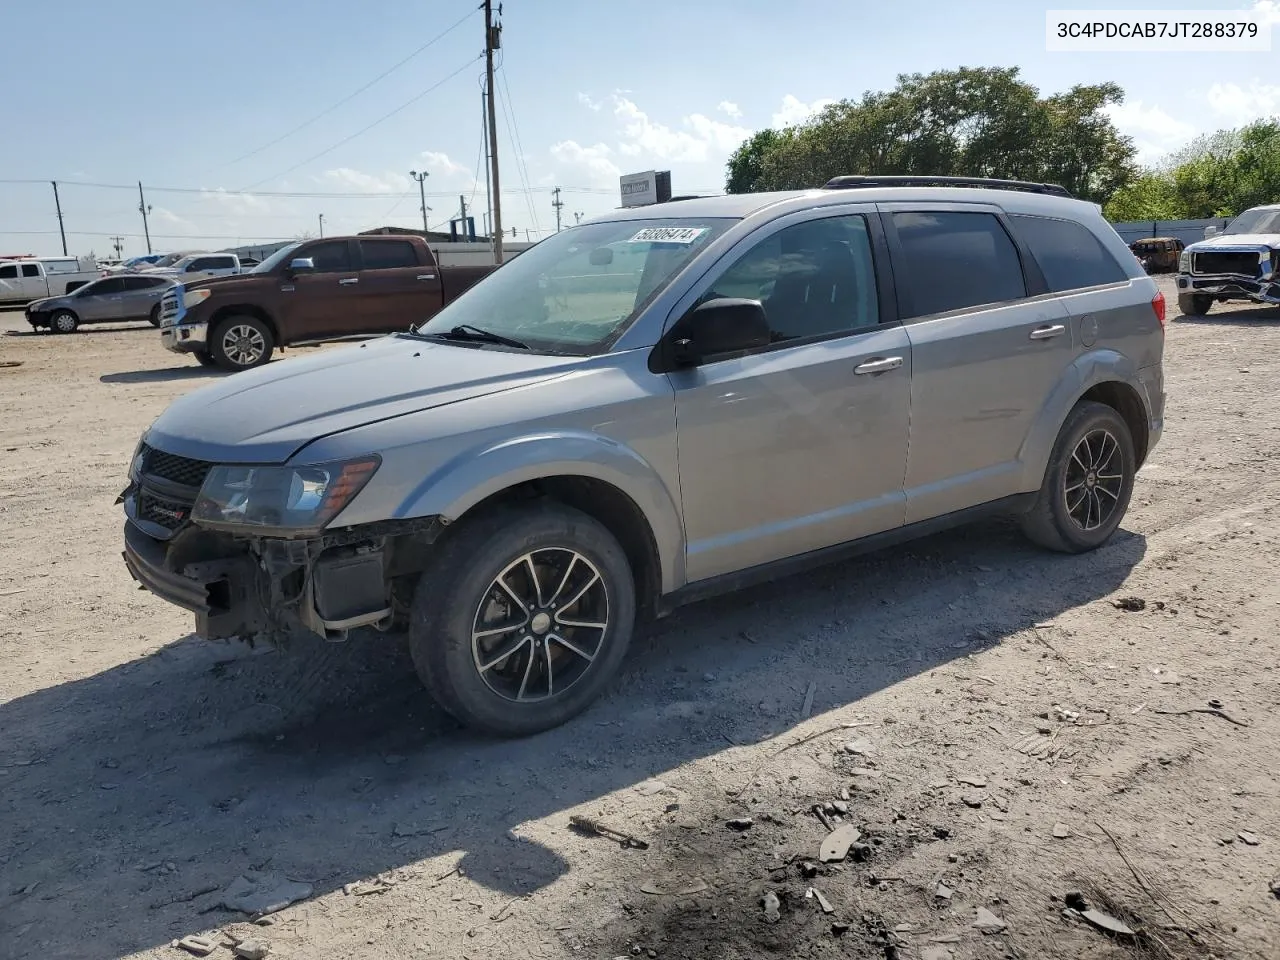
(1158, 305)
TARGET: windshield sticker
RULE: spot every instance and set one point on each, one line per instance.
(668, 235)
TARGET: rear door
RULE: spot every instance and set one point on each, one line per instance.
(139, 296)
(11, 283)
(397, 290)
(324, 302)
(987, 345)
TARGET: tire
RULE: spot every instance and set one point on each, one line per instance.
(63, 321)
(204, 359)
(1060, 521)
(154, 315)
(241, 342)
(1194, 304)
(459, 594)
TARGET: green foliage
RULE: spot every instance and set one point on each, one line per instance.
(983, 122)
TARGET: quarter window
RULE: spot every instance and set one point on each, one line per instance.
(956, 260)
(1070, 256)
(814, 279)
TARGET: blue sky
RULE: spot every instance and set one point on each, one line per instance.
(191, 96)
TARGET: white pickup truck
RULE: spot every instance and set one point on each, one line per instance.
(200, 266)
(22, 281)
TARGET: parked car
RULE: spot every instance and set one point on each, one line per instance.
(133, 264)
(1242, 262)
(663, 404)
(201, 266)
(22, 281)
(308, 292)
(114, 299)
(1158, 254)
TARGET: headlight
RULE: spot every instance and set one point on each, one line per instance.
(1184, 261)
(289, 500)
(192, 297)
(135, 462)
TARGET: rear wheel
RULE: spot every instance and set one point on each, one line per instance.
(64, 321)
(523, 618)
(154, 316)
(1194, 304)
(1087, 484)
(241, 343)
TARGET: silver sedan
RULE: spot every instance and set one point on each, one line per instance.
(113, 299)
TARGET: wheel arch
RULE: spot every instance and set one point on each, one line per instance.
(225, 313)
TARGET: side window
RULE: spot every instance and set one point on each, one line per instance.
(814, 278)
(141, 283)
(9, 272)
(387, 254)
(30, 270)
(1070, 256)
(109, 286)
(957, 260)
(331, 257)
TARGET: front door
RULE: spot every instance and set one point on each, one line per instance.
(321, 303)
(34, 284)
(802, 444)
(987, 348)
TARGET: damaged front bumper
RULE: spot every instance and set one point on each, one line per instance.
(1231, 287)
(1207, 277)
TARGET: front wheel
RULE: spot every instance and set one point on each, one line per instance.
(523, 618)
(1087, 484)
(64, 321)
(242, 343)
(204, 359)
(1194, 304)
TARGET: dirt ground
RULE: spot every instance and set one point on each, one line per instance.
(997, 729)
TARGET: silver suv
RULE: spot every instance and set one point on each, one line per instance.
(655, 406)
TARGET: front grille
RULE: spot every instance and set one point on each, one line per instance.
(169, 514)
(1239, 262)
(175, 469)
(168, 308)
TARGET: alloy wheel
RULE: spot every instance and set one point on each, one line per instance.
(1094, 479)
(243, 345)
(540, 625)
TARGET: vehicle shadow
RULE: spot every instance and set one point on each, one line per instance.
(193, 372)
(96, 329)
(129, 794)
(1247, 317)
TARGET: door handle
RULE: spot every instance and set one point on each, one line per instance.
(1044, 333)
(426, 276)
(348, 281)
(880, 365)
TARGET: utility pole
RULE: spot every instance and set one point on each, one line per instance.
(558, 204)
(58, 204)
(144, 210)
(118, 243)
(462, 202)
(488, 193)
(492, 41)
(422, 195)
(322, 226)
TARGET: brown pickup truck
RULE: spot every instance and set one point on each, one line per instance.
(307, 292)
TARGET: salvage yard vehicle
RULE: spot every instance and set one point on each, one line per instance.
(310, 292)
(656, 406)
(115, 299)
(1158, 254)
(22, 281)
(1242, 262)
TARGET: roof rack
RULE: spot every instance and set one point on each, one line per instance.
(982, 183)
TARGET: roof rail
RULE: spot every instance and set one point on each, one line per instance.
(982, 183)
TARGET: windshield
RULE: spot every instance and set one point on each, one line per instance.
(576, 291)
(168, 260)
(273, 261)
(1255, 221)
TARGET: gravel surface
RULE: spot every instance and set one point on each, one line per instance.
(1006, 731)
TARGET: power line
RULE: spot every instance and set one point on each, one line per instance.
(386, 116)
(504, 93)
(352, 96)
(214, 193)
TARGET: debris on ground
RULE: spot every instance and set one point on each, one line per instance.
(987, 922)
(1076, 901)
(1212, 710)
(1107, 923)
(835, 846)
(261, 893)
(417, 829)
(597, 829)
(365, 888)
(198, 946)
(1249, 838)
(942, 891)
(1061, 831)
(252, 950)
(772, 907)
(971, 781)
(740, 823)
(858, 747)
(1131, 604)
(1275, 887)
(649, 788)
(806, 708)
(814, 893)
(972, 800)
(688, 889)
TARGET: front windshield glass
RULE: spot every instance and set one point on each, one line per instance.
(168, 260)
(576, 291)
(277, 258)
(1255, 221)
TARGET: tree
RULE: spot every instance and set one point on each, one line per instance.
(972, 121)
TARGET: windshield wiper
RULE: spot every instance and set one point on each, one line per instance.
(465, 331)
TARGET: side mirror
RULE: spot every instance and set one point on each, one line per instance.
(1211, 231)
(301, 265)
(601, 257)
(722, 326)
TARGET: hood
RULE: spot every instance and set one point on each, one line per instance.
(48, 303)
(241, 278)
(268, 414)
(1237, 240)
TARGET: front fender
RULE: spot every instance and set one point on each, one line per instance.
(474, 475)
(1086, 372)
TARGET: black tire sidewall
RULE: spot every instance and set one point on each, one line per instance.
(440, 635)
(225, 362)
(1194, 304)
(1085, 418)
(154, 316)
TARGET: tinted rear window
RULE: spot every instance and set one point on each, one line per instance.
(957, 260)
(387, 254)
(1070, 256)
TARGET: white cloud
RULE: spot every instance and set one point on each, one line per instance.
(586, 100)
(702, 139)
(367, 182)
(1268, 10)
(593, 161)
(1240, 105)
(236, 203)
(795, 111)
(440, 165)
(164, 215)
(1155, 133)
(730, 108)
